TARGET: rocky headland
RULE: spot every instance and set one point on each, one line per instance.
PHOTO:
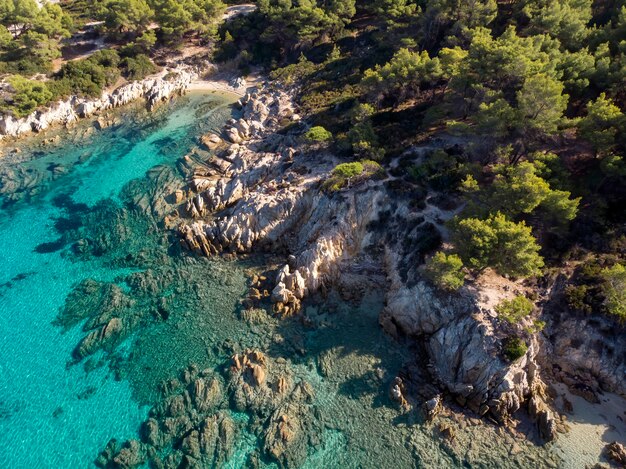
(263, 191)
(256, 187)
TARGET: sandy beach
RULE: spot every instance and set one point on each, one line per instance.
(592, 427)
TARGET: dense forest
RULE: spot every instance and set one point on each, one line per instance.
(533, 92)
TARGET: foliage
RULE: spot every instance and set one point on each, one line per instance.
(576, 297)
(90, 76)
(294, 72)
(550, 168)
(601, 124)
(614, 289)
(291, 23)
(501, 63)
(124, 16)
(28, 96)
(497, 242)
(345, 174)
(513, 311)
(536, 327)
(30, 36)
(404, 75)
(348, 170)
(445, 271)
(514, 348)
(137, 68)
(318, 134)
(440, 171)
(453, 17)
(517, 189)
(565, 20)
(178, 17)
(541, 103)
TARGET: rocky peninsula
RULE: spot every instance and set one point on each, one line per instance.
(262, 191)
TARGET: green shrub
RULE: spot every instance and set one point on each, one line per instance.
(294, 72)
(91, 76)
(514, 348)
(348, 170)
(507, 246)
(365, 141)
(445, 271)
(318, 134)
(28, 95)
(345, 174)
(577, 298)
(513, 311)
(614, 290)
(536, 327)
(136, 68)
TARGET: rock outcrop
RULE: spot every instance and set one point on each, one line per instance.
(186, 427)
(192, 425)
(616, 452)
(584, 352)
(264, 193)
(154, 90)
(265, 387)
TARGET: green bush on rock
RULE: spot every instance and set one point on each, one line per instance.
(513, 311)
(137, 68)
(514, 348)
(318, 134)
(506, 246)
(614, 289)
(445, 271)
(29, 95)
(345, 174)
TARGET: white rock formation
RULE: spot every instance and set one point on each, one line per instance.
(154, 90)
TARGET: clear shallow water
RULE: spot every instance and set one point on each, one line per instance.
(77, 212)
(52, 415)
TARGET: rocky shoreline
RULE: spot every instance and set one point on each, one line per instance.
(262, 192)
(174, 80)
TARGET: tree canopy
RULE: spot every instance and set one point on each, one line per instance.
(497, 242)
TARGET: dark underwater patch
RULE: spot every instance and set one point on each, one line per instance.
(50, 247)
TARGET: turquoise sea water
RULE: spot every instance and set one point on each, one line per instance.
(52, 414)
(75, 227)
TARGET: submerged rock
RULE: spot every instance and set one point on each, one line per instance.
(105, 337)
(616, 452)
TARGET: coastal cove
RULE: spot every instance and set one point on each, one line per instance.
(120, 333)
(304, 235)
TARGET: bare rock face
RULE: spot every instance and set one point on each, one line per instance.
(269, 202)
(585, 353)
(462, 341)
(432, 407)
